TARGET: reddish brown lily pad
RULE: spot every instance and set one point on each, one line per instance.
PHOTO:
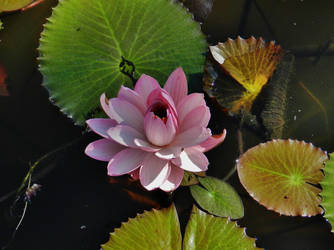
(283, 175)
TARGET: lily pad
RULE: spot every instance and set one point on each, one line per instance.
(283, 176)
(11, 5)
(205, 231)
(218, 198)
(85, 44)
(251, 62)
(160, 229)
(328, 190)
(157, 229)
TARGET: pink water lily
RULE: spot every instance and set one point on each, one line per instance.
(153, 133)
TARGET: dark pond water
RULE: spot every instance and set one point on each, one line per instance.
(77, 206)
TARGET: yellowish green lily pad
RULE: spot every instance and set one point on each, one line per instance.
(160, 229)
(205, 231)
(328, 191)
(11, 5)
(283, 175)
(156, 229)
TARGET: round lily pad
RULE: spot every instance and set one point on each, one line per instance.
(284, 176)
(328, 190)
(86, 45)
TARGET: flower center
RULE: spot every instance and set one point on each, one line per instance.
(160, 110)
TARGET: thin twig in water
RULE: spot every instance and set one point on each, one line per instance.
(21, 219)
(18, 192)
(318, 102)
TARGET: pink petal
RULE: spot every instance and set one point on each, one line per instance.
(101, 126)
(154, 172)
(145, 145)
(211, 142)
(176, 85)
(189, 103)
(157, 132)
(174, 179)
(133, 98)
(192, 160)
(104, 101)
(162, 96)
(199, 116)
(191, 137)
(125, 135)
(169, 152)
(127, 113)
(145, 85)
(103, 149)
(126, 161)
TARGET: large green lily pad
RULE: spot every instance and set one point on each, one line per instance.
(160, 229)
(84, 41)
(328, 190)
(282, 175)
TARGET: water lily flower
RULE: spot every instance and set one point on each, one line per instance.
(153, 133)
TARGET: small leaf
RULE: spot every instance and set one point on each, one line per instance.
(282, 175)
(85, 44)
(190, 178)
(218, 198)
(205, 231)
(328, 191)
(156, 229)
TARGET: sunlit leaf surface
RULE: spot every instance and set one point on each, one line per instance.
(205, 231)
(282, 175)
(157, 229)
(327, 193)
(160, 229)
(218, 198)
(84, 41)
(251, 62)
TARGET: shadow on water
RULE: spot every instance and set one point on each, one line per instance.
(78, 207)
